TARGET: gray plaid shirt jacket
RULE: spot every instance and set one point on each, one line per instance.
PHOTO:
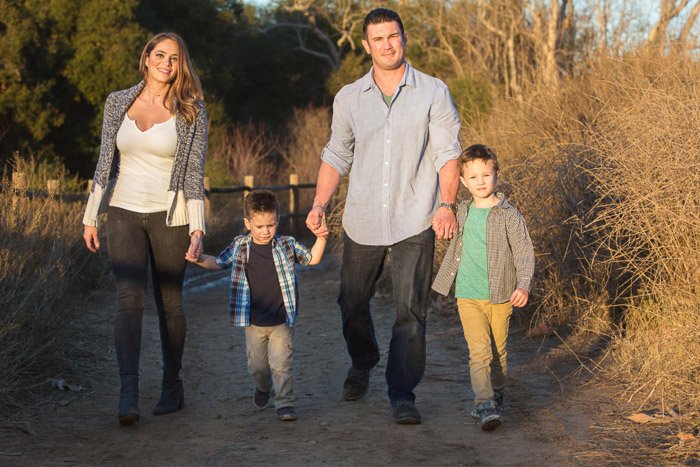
(509, 252)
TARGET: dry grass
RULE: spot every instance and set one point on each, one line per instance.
(309, 130)
(247, 149)
(40, 256)
(607, 173)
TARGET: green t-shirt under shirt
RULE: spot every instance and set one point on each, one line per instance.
(472, 275)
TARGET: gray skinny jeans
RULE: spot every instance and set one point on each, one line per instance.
(134, 241)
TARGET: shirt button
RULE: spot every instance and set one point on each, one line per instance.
(388, 141)
(386, 163)
(452, 274)
(384, 205)
(386, 184)
(458, 259)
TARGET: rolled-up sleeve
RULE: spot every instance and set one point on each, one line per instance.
(444, 128)
(339, 151)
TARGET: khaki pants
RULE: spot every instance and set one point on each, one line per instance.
(485, 328)
(270, 352)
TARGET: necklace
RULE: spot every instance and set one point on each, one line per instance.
(153, 94)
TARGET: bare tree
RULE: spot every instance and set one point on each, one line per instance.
(684, 35)
(670, 9)
(342, 17)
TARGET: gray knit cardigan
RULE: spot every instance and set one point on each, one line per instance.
(186, 189)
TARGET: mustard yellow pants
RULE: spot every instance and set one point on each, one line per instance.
(485, 328)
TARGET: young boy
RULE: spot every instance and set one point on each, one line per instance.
(492, 262)
(264, 297)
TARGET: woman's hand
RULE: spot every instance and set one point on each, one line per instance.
(196, 248)
(91, 239)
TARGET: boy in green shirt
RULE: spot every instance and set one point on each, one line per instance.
(492, 262)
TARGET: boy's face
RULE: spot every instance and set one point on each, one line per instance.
(479, 177)
(262, 226)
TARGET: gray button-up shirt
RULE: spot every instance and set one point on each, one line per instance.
(392, 154)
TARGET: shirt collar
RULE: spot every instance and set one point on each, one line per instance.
(502, 201)
(409, 79)
(249, 240)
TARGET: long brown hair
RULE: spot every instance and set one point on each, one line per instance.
(185, 90)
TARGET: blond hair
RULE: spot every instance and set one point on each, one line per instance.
(185, 91)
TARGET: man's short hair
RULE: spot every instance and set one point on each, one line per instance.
(478, 151)
(381, 15)
(260, 201)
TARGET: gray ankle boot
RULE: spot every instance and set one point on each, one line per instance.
(129, 400)
(172, 396)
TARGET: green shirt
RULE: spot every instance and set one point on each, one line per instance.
(472, 274)
(387, 99)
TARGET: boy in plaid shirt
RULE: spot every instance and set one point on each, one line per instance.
(264, 296)
(491, 262)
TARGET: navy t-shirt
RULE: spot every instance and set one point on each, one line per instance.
(266, 303)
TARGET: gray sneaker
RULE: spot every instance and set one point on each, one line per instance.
(497, 398)
(489, 417)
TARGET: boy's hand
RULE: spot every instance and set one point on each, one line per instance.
(519, 297)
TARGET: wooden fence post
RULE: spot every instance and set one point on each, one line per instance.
(19, 188)
(53, 188)
(294, 203)
(248, 181)
(207, 198)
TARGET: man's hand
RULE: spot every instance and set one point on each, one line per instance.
(444, 224)
(519, 297)
(91, 239)
(196, 246)
(315, 221)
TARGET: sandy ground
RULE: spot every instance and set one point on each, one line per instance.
(543, 423)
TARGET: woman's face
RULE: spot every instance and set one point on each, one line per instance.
(161, 63)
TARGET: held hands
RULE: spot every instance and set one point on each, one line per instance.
(196, 248)
(519, 297)
(322, 231)
(91, 239)
(444, 224)
(316, 221)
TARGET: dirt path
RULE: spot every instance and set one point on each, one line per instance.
(220, 425)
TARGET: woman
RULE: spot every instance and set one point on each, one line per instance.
(150, 181)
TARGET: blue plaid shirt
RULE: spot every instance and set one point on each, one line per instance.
(286, 252)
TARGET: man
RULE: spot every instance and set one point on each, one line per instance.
(395, 133)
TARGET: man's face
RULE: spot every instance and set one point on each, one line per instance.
(385, 44)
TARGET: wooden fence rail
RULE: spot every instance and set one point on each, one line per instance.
(249, 183)
(19, 187)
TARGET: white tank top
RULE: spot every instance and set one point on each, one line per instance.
(146, 162)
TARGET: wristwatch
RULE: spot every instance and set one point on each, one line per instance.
(451, 206)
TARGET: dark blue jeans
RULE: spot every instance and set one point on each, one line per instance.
(135, 241)
(411, 273)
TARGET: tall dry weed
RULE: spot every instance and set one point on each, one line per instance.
(607, 173)
(247, 149)
(309, 130)
(40, 255)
